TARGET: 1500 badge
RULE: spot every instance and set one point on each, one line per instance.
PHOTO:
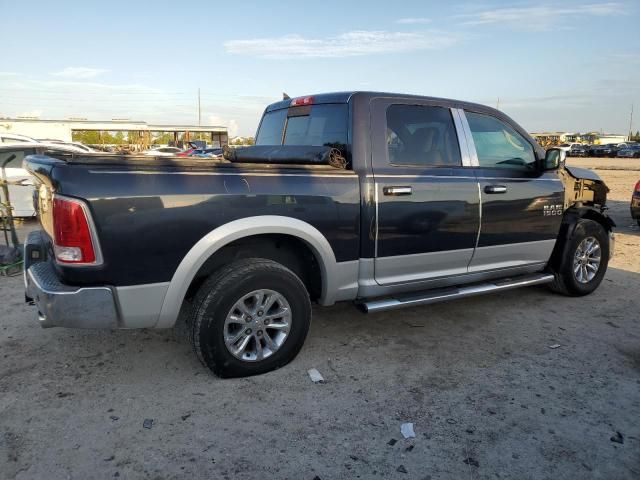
(552, 210)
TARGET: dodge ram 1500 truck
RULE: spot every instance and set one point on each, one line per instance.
(436, 199)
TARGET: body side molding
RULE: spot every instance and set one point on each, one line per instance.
(339, 280)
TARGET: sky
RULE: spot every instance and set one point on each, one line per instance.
(552, 66)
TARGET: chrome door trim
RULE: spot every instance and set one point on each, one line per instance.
(442, 264)
(511, 255)
(473, 154)
(462, 138)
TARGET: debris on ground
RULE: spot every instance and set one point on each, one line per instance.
(114, 418)
(401, 469)
(407, 430)
(472, 462)
(392, 442)
(315, 376)
(555, 345)
(148, 423)
(617, 438)
(414, 325)
(184, 417)
(409, 448)
(611, 324)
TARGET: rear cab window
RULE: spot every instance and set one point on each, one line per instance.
(308, 125)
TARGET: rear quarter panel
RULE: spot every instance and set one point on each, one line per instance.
(148, 219)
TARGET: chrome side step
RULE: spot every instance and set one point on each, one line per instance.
(443, 294)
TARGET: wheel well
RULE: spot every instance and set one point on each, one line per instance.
(570, 219)
(287, 250)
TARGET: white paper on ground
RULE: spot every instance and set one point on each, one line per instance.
(315, 376)
(407, 430)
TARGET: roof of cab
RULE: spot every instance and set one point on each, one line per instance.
(344, 97)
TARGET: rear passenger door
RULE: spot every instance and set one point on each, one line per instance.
(427, 203)
(521, 206)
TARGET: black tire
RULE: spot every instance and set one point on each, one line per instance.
(218, 295)
(565, 281)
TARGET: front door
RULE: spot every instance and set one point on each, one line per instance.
(427, 202)
(522, 206)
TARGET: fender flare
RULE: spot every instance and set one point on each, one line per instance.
(235, 230)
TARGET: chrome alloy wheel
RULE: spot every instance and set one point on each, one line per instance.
(586, 261)
(257, 325)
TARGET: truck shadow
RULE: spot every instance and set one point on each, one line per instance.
(619, 211)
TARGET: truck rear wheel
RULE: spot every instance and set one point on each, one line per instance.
(249, 318)
(585, 260)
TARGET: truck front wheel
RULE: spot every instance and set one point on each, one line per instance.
(585, 260)
(249, 318)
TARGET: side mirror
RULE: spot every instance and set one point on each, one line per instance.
(554, 159)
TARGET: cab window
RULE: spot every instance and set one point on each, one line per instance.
(421, 136)
(498, 145)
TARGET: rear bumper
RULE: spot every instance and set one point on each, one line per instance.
(60, 305)
(102, 306)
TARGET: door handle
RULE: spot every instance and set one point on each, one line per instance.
(396, 191)
(495, 189)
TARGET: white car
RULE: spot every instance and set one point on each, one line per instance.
(566, 147)
(78, 145)
(14, 138)
(163, 151)
(20, 182)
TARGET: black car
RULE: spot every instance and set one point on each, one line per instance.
(635, 203)
(579, 151)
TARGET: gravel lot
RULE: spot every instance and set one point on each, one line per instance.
(487, 396)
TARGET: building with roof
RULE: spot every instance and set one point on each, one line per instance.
(137, 132)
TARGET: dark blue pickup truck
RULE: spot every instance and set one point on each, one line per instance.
(435, 199)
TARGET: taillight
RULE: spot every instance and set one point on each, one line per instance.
(637, 189)
(301, 101)
(72, 242)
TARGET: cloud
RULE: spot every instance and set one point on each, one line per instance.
(413, 21)
(9, 74)
(540, 17)
(79, 72)
(348, 44)
(232, 124)
(32, 114)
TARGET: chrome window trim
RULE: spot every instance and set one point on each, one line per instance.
(473, 154)
(465, 152)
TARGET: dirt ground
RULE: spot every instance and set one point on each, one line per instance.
(487, 395)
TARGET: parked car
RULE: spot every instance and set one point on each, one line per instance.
(163, 151)
(635, 203)
(12, 138)
(578, 150)
(565, 147)
(388, 201)
(207, 153)
(609, 150)
(80, 146)
(631, 151)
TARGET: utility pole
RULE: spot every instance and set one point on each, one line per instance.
(199, 106)
(498, 104)
(631, 122)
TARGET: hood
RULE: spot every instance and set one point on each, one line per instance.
(583, 173)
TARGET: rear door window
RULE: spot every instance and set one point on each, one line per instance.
(421, 136)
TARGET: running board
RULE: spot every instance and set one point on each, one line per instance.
(443, 294)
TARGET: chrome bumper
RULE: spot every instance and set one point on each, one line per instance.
(60, 305)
